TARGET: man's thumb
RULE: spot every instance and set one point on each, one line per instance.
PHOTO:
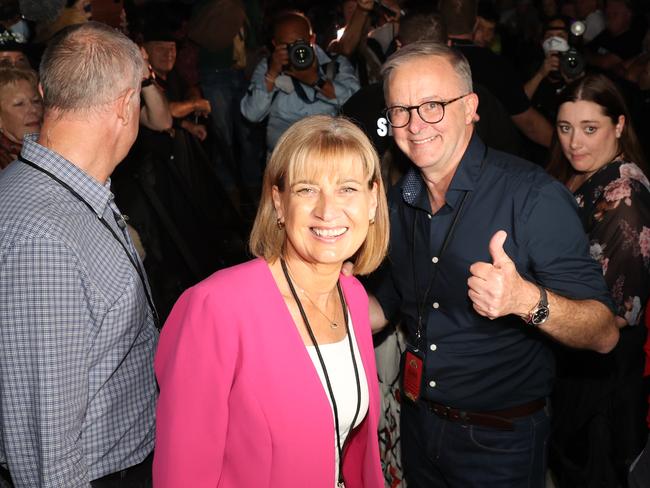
(499, 256)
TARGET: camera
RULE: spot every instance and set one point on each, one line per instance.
(380, 10)
(572, 63)
(301, 54)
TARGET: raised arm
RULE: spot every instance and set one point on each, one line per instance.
(354, 31)
(497, 289)
(256, 104)
(155, 113)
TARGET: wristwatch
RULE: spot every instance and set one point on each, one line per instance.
(148, 81)
(539, 314)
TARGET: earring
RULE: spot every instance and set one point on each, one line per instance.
(372, 221)
(279, 223)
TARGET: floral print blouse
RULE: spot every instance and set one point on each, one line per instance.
(614, 205)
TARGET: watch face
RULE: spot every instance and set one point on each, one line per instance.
(539, 316)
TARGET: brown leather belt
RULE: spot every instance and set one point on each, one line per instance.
(496, 419)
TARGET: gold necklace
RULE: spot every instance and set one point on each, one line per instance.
(333, 324)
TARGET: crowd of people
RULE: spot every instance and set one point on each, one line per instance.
(212, 210)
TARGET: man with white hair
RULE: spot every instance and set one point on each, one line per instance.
(487, 263)
(77, 323)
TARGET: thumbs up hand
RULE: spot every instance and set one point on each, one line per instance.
(499, 257)
(497, 289)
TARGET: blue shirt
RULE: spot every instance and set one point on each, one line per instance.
(77, 336)
(284, 106)
(472, 362)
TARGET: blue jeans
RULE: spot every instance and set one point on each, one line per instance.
(244, 143)
(441, 453)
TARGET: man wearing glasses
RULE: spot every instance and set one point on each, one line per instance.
(488, 265)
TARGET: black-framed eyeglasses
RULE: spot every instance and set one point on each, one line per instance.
(431, 112)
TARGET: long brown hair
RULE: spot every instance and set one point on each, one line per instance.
(602, 91)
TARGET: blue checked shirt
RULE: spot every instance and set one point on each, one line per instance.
(77, 336)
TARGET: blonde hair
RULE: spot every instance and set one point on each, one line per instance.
(10, 75)
(316, 145)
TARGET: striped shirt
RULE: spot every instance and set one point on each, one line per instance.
(77, 336)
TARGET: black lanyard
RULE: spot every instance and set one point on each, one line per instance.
(121, 224)
(322, 364)
(448, 236)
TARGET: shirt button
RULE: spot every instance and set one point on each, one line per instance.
(433, 347)
(429, 216)
(434, 259)
(432, 384)
(436, 305)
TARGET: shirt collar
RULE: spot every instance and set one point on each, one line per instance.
(468, 170)
(465, 178)
(98, 196)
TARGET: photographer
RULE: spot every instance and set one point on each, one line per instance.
(549, 79)
(298, 79)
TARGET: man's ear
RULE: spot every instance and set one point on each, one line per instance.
(471, 106)
(125, 106)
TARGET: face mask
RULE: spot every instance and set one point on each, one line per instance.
(555, 44)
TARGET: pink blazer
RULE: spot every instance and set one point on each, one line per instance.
(241, 404)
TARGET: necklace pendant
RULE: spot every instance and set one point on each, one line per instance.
(334, 325)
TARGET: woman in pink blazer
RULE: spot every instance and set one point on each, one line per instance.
(266, 369)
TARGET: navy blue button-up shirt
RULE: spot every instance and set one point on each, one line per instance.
(473, 362)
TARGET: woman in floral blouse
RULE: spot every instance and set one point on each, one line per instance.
(598, 400)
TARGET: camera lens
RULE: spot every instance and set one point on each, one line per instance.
(301, 54)
(572, 63)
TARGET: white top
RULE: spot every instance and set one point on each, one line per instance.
(340, 370)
